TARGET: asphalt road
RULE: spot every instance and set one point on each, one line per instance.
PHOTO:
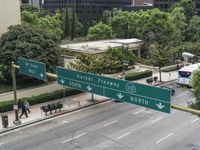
(112, 126)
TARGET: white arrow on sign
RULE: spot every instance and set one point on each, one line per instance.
(62, 81)
(41, 75)
(120, 95)
(160, 106)
(89, 88)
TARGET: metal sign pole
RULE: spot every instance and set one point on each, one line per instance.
(17, 121)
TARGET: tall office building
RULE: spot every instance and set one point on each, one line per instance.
(165, 4)
(93, 8)
(9, 14)
(52, 5)
(87, 9)
(35, 3)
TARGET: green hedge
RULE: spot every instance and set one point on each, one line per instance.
(171, 68)
(138, 75)
(8, 105)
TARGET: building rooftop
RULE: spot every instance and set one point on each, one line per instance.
(102, 45)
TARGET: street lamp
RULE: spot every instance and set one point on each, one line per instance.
(186, 57)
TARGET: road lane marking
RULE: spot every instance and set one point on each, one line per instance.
(193, 121)
(126, 134)
(77, 111)
(160, 118)
(139, 111)
(164, 138)
(78, 136)
(64, 122)
(180, 95)
(111, 123)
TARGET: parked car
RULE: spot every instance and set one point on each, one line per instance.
(170, 88)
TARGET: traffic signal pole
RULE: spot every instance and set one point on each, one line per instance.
(186, 109)
(174, 106)
(15, 106)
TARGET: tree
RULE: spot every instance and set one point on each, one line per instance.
(100, 31)
(1, 70)
(51, 24)
(179, 19)
(71, 26)
(87, 63)
(29, 18)
(193, 30)
(158, 56)
(161, 23)
(119, 24)
(196, 86)
(117, 55)
(189, 8)
(137, 22)
(28, 8)
(28, 42)
(160, 28)
(66, 23)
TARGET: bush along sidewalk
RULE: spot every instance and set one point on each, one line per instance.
(172, 68)
(8, 105)
(138, 75)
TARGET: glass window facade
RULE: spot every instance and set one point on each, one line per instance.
(94, 7)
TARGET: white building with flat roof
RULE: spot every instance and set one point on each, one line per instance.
(95, 47)
(9, 14)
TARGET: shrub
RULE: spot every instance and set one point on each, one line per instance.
(8, 105)
(138, 75)
(171, 68)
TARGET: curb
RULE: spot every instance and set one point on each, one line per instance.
(52, 116)
(165, 82)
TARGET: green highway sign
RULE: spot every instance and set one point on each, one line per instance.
(134, 93)
(32, 68)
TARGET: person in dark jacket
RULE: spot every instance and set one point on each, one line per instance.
(23, 111)
(26, 103)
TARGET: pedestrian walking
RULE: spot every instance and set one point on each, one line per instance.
(27, 105)
(23, 107)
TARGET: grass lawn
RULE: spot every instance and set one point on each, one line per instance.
(7, 87)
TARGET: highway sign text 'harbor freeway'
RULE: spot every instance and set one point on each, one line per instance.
(139, 94)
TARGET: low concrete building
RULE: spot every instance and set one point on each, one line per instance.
(9, 14)
(97, 47)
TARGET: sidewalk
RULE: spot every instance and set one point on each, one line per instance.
(31, 91)
(70, 103)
